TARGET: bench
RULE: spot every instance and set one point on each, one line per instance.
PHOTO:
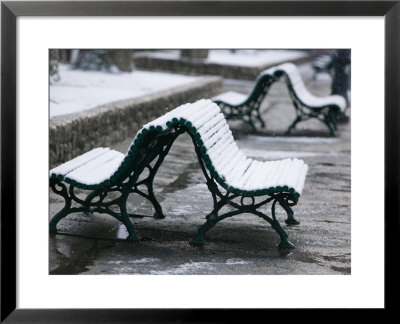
(107, 177)
(307, 106)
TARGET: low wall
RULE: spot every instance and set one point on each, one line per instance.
(199, 66)
(75, 134)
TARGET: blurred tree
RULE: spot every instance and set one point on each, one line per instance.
(104, 60)
(340, 63)
(64, 56)
(341, 77)
(53, 65)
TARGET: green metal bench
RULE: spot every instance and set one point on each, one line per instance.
(108, 177)
(239, 106)
(236, 105)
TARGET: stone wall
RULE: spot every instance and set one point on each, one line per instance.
(75, 134)
(199, 66)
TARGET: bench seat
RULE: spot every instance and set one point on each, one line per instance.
(91, 168)
(221, 160)
(231, 97)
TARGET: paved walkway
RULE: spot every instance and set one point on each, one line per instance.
(243, 244)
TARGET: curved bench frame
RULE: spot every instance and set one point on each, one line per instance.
(326, 114)
(249, 110)
(148, 152)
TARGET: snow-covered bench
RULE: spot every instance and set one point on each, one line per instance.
(107, 177)
(325, 109)
(237, 105)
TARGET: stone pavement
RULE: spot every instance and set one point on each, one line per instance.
(243, 244)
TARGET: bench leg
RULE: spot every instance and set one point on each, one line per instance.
(57, 217)
(326, 116)
(293, 125)
(128, 224)
(290, 218)
(330, 123)
(251, 123)
(260, 119)
(65, 211)
(284, 243)
(158, 212)
(86, 205)
(212, 219)
(229, 199)
(199, 238)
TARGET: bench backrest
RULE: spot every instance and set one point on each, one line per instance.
(209, 129)
(299, 90)
(261, 87)
(214, 140)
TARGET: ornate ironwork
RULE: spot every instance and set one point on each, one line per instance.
(151, 155)
(227, 198)
(249, 111)
(325, 114)
(112, 199)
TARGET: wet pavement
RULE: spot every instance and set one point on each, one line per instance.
(243, 244)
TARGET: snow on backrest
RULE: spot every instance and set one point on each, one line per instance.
(300, 89)
(211, 125)
(221, 153)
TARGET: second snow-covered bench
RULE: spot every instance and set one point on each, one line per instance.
(108, 177)
(239, 106)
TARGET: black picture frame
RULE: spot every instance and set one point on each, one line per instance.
(10, 10)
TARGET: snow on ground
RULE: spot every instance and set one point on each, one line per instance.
(80, 90)
(248, 58)
(253, 58)
(278, 155)
(300, 139)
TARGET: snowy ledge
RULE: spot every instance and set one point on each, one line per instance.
(243, 65)
(74, 134)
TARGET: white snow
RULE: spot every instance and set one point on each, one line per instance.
(79, 161)
(236, 261)
(299, 139)
(92, 167)
(144, 260)
(231, 97)
(247, 58)
(98, 170)
(190, 267)
(271, 155)
(80, 90)
(253, 58)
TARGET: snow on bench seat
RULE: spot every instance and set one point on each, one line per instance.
(225, 161)
(231, 97)
(91, 168)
